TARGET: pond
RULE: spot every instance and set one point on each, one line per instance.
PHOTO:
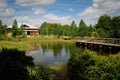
(56, 52)
(50, 53)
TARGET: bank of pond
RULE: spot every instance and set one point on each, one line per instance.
(57, 60)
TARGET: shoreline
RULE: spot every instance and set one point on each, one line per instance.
(25, 43)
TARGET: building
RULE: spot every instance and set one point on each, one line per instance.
(30, 31)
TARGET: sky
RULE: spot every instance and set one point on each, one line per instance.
(35, 12)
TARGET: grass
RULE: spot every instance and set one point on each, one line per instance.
(56, 66)
(25, 43)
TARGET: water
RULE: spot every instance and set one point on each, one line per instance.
(50, 53)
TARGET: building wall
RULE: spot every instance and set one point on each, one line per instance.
(9, 31)
(29, 32)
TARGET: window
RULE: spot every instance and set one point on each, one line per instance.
(28, 32)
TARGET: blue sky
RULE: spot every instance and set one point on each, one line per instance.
(35, 12)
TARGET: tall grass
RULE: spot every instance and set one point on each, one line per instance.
(24, 44)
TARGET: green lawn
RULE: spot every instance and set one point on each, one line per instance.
(25, 43)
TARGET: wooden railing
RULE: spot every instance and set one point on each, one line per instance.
(99, 40)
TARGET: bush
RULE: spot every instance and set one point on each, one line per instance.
(88, 66)
(13, 64)
(39, 72)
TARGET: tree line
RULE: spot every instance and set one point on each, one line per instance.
(16, 31)
(66, 30)
(106, 27)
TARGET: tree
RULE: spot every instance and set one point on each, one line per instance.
(90, 30)
(116, 26)
(43, 28)
(82, 29)
(104, 25)
(3, 30)
(82, 24)
(15, 29)
(73, 29)
(66, 30)
(56, 29)
(22, 31)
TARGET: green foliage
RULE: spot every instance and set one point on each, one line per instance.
(3, 30)
(73, 29)
(82, 24)
(95, 34)
(21, 31)
(104, 27)
(107, 68)
(66, 30)
(78, 64)
(51, 29)
(108, 27)
(15, 31)
(82, 29)
(116, 26)
(88, 66)
(39, 72)
(13, 64)
(43, 28)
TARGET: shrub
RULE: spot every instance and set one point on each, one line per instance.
(39, 72)
(13, 64)
(88, 66)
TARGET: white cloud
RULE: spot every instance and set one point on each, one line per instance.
(5, 11)
(51, 16)
(71, 9)
(100, 7)
(21, 18)
(37, 21)
(54, 18)
(38, 11)
(31, 20)
(34, 2)
(3, 4)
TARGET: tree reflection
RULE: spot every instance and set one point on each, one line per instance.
(55, 47)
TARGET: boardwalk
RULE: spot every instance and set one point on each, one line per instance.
(108, 43)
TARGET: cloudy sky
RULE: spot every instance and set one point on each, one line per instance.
(35, 12)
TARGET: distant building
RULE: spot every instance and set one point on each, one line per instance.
(30, 31)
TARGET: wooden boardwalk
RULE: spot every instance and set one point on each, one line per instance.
(99, 41)
(110, 43)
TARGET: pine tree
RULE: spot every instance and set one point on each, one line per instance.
(73, 28)
(22, 31)
(82, 29)
(15, 29)
(3, 30)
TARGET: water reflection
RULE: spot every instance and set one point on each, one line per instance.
(49, 53)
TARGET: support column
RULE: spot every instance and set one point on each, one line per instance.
(110, 48)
